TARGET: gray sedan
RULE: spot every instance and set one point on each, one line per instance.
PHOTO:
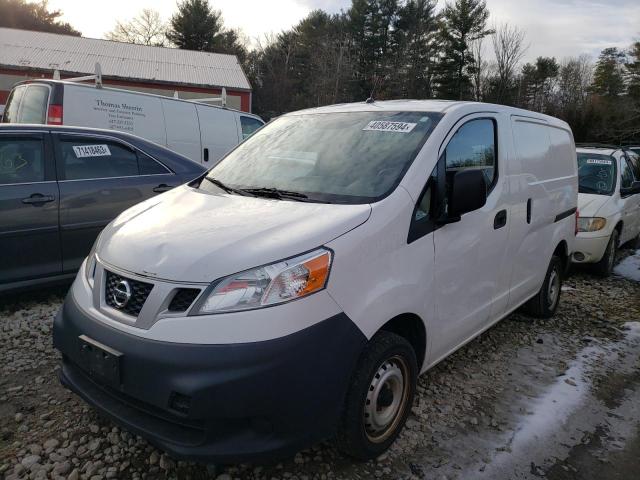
(59, 186)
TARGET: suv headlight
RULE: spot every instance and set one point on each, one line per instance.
(90, 267)
(591, 224)
(268, 285)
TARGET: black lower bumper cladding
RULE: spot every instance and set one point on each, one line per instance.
(217, 403)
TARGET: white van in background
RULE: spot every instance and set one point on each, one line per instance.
(201, 132)
(296, 291)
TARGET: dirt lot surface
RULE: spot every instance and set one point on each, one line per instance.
(558, 399)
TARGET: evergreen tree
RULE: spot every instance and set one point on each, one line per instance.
(415, 43)
(33, 16)
(371, 25)
(633, 72)
(463, 22)
(197, 26)
(608, 79)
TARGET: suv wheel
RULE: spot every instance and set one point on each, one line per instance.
(379, 398)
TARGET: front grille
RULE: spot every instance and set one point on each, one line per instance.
(139, 293)
(183, 299)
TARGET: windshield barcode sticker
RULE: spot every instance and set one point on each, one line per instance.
(83, 151)
(594, 161)
(384, 126)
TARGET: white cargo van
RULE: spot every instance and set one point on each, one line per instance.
(296, 290)
(201, 132)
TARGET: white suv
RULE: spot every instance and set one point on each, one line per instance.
(609, 204)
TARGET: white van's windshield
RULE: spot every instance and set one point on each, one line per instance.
(596, 173)
(356, 157)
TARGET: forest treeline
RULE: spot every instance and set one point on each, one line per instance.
(395, 49)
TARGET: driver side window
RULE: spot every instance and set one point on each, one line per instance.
(473, 148)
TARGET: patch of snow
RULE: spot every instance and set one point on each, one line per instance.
(629, 267)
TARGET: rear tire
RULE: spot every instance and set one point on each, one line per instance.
(605, 266)
(545, 303)
(379, 398)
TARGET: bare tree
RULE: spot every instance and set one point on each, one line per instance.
(145, 29)
(479, 71)
(509, 48)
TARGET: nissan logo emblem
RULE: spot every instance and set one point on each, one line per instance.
(121, 294)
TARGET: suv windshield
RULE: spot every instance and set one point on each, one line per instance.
(330, 157)
(596, 173)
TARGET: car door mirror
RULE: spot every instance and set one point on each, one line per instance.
(468, 193)
(632, 190)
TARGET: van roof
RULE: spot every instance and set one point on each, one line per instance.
(134, 92)
(440, 106)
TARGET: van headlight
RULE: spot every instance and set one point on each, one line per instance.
(591, 224)
(268, 285)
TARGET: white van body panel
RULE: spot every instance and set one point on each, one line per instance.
(544, 175)
(219, 131)
(141, 115)
(182, 129)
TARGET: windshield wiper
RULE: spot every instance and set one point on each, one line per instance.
(276, 193)
(225, 187)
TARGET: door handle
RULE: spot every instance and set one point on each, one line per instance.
(206, 154)
(38, 199)
(500, 220)
(529, 211)
(163, 187)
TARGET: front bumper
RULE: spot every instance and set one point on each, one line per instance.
(591, 245)
(218, 403)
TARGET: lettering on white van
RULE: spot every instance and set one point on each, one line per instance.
(83, 151)
(384, 126)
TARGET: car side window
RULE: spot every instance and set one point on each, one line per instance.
(626, 174)
(473, 147)
(85, 158)
(149, 166)
(249, 126)
(21, 160)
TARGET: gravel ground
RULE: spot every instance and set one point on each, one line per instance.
(517, 402)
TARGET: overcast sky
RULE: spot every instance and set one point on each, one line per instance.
(554, 27)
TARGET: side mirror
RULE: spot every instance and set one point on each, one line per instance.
(468, 193)
(632, 190)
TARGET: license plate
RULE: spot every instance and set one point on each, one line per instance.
(100, 361)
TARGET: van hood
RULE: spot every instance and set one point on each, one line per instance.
(189, 235)
(589, 204)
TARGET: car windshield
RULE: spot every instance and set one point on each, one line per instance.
(597, 173)
(330, 157)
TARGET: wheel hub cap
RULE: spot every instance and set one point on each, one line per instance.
(385, 399)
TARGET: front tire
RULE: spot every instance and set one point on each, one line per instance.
(379, 397)
(545, 303)
(605, 266)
